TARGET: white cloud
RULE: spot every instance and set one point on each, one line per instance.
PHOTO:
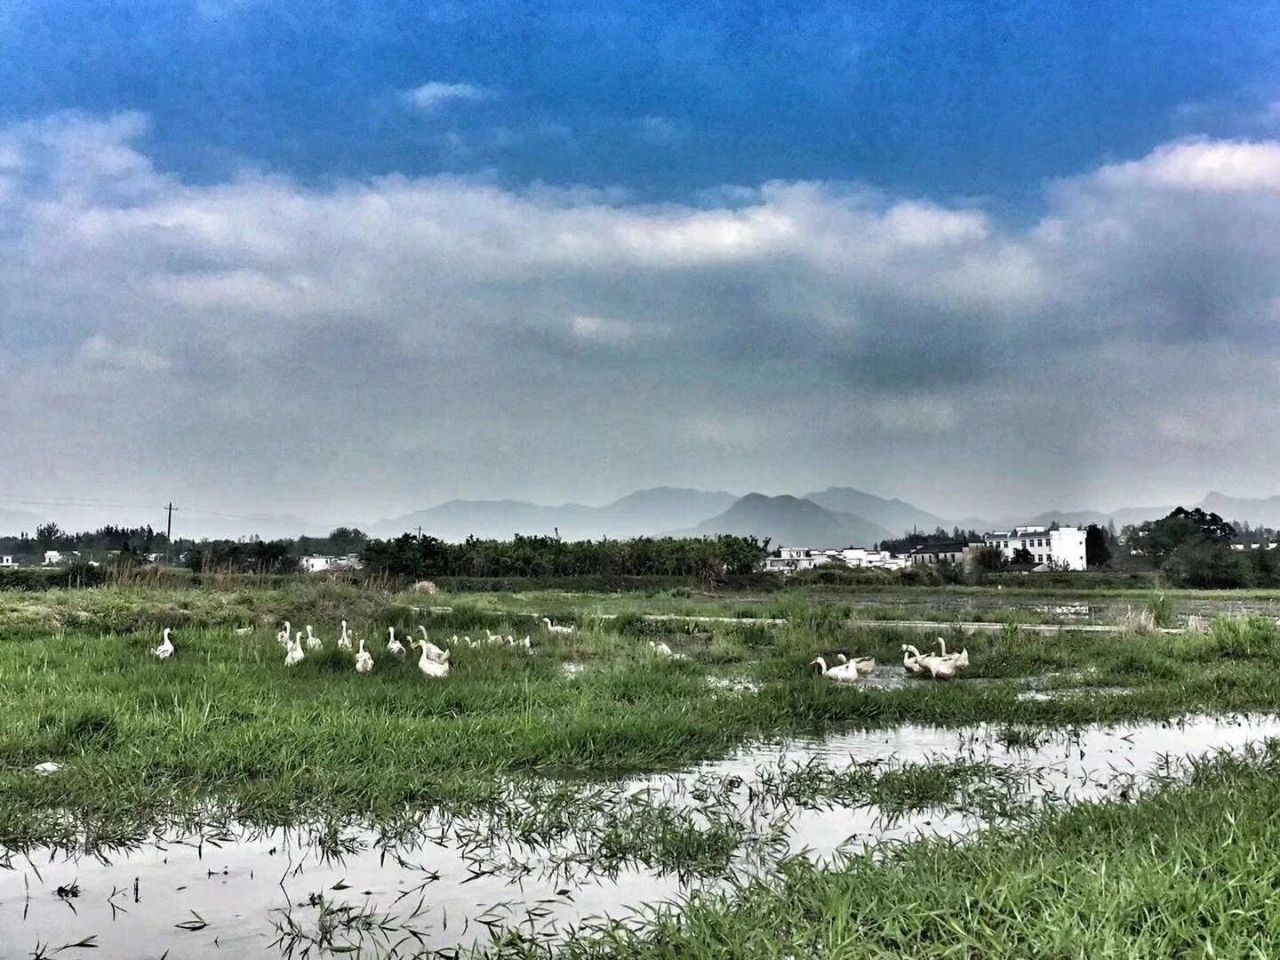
(434, 94)
(1212, 166)
(311, 342)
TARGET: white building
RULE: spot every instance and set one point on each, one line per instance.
(320, 564)
(794, 559)
(53, 558)
(7, 561)
(1061, 548)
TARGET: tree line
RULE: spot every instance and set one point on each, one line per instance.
(540, 556)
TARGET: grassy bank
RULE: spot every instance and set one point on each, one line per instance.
(143, 741)
(1190, 871)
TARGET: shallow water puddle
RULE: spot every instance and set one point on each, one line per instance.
(255, 894)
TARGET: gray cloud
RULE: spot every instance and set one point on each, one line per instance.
(357, 350)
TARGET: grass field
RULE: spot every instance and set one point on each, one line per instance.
(225, 730)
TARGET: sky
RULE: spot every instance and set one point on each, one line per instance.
(343, 261)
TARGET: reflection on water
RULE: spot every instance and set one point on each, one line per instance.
(548, 856)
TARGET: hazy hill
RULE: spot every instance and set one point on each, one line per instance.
(896, 516)
(789, 521)
(1256, 511)
(644, 512)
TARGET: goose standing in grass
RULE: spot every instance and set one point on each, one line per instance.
(394, 646)
(430, 649)
(843, 673)
(364, 661)
(431, 667)
(165, 650)
(243, 631)
(284, 637)
(661, 649)
(911, 661)
(344, 641)
(295, 655)
(556, 628)
(313, 642)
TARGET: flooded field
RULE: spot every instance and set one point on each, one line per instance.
(546, 859)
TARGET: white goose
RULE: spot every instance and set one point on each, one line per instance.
(961, 659)
(295, 655)
(864, 664)
(556, 628)
(394, 646)
(313, 642)
(166, 648)
(661, 649)
(430, 649)
(364, 661)
(921, 665)
(843, 673)
(284, 636)
(432, 668)
(344, 641)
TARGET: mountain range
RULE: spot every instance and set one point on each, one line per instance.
(834, 517)
(643, 512)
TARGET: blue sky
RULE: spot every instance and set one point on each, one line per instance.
(345, 261)
(940, 99)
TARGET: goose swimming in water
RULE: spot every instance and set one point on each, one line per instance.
(864, 664)
(961, 659)
(842, 673)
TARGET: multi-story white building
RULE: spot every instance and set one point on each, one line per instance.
(1058, 547)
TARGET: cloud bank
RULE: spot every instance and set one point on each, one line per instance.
(375, 345)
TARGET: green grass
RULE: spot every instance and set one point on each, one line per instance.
(1190, 871)
(145, 742)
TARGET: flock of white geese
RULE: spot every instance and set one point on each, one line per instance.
(933, 666)
(433, 662)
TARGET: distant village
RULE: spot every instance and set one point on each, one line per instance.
(1028, 549)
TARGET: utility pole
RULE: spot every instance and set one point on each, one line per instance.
(168, 532)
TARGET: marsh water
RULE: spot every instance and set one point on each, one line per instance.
(457, 882)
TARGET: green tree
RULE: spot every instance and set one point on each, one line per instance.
(989, 558)
(1097, 550)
